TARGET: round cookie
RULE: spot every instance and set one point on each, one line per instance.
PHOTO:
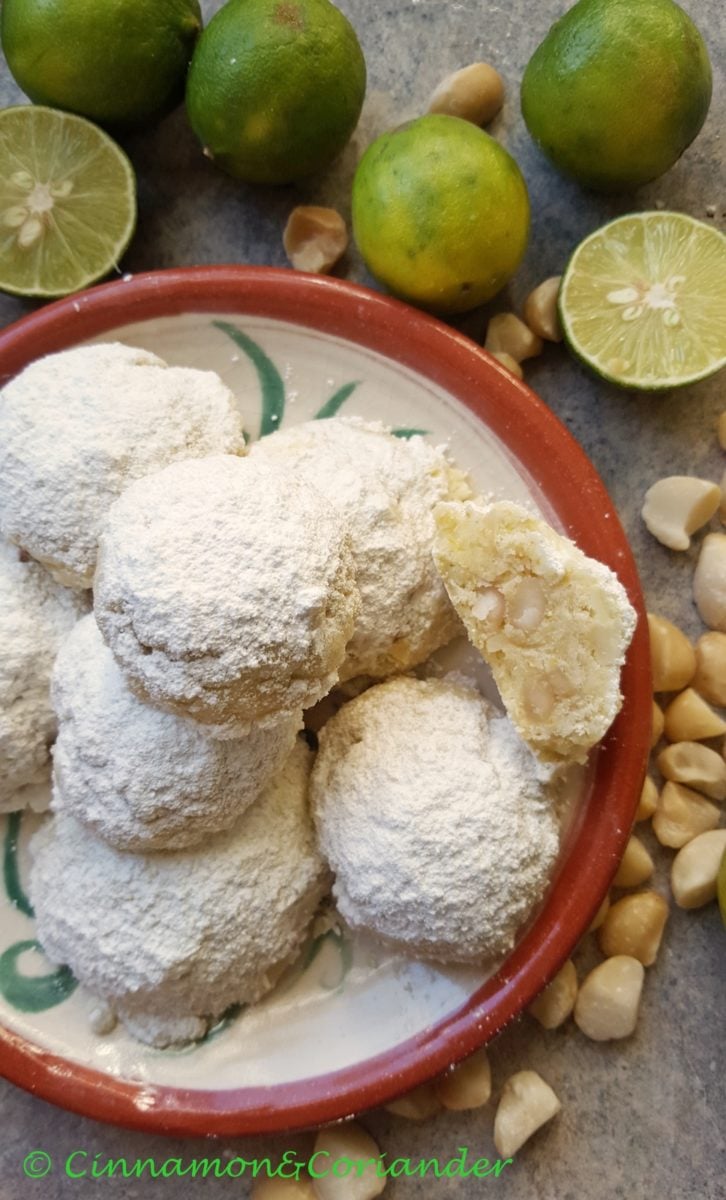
(553, 624)
(387, 488)
(77, 427)
(226, 591)
(35, 615)
(141, 778)
(170, 941)
(435, 818)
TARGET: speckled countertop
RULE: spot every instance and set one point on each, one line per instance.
(642, 1119)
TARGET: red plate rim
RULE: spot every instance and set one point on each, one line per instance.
(570, 483)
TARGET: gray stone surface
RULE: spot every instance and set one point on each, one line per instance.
(645, 1119)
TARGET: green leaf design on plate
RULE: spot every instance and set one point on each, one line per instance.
(409, 433)
(271, 382)
(336, 401)
(11, 872)
(33, 993)
(27, 993)
(345, 957)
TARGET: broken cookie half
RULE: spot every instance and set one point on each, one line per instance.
(553, 624)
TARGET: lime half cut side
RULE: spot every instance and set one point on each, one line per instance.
(643, 301)
(67, 202)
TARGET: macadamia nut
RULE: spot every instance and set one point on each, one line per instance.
(417, 1105)
(709, 581)
(609, 998)
(672, 657)
(474, 93)
(710, 678)
(507, 334)
(648, 800)
(681, 815)
(600, 915)
(689, 719)
(554, 1005)
(695, 765)
(677, 506)
(510, 363)
(540, 310)
(349, 1141)
(695, 869)
(634, 927)
(525, 1105)
(468, 1085)
(315, 238)
(636, 865)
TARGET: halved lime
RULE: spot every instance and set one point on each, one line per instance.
(643, 301)
(67, 202)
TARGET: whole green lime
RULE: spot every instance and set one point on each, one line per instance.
(118, 62)
(617, 90)
(276, 88)
(440, 213)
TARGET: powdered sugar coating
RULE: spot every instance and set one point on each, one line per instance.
(142, 778)
(387, 488)
(171, 940)
(226, 591)
(77, 427)
(35, 615)
(435, 818)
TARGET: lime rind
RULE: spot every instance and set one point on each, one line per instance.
(67, 202)
(643, 301)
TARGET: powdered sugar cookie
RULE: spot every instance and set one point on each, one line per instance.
(435, 818)
(553, 624)
(226, 591)
(35, 616)
(77, 427)
(387, 488)
(142, 778)
(172, 940)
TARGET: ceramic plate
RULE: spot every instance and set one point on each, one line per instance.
(351, 1024)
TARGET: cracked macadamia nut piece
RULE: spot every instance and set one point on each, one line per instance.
(226, 591)
(35, 616)
(510, 363)
(553, 1005)
(140, 777)
(400, 772)
(315, 238)
(709, 581)
(553, 624)
(710, 678)
(672, 657)
(172, 940)
(694, 872)
(677, 506)
(608, 1001)
(77, 427)
(525, 1105)
(385, 488)
(507, 334)
(467, 1085)
(474, 93)
(540, 310)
